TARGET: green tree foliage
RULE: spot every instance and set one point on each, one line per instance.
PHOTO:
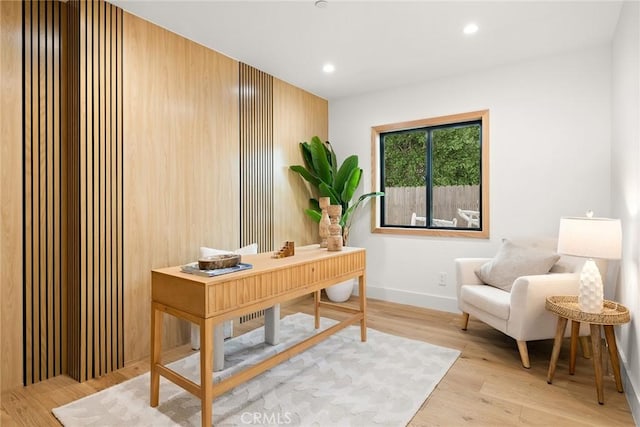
(405, 157)
(455, 157)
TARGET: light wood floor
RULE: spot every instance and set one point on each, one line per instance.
(486, 386)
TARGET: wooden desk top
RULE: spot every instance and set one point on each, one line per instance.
(261, 263)
(269, 281)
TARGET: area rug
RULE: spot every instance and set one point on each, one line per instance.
(339, 382)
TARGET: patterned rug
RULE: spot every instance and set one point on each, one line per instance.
(338, 382)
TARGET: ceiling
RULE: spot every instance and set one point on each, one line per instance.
(377, 45)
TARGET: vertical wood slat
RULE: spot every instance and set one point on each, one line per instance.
(43, 249)
(95, 297)
(256, 158)
(28, 192)
(73, 127)
(72, 189)
(65, 92)
(118, 194)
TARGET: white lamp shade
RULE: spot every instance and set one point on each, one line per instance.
(590, 237)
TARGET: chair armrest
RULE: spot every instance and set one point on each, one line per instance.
(528, 316)
(465, 272)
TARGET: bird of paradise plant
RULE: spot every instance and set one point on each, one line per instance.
(321, 171)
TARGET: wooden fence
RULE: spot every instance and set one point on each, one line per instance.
(401, 202)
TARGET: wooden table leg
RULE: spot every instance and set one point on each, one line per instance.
(316, 308)
(206, 371)
(586, 346)
(597, 360)
(575, 331)
(613, 355)
(362, 291)
(156, 346)
(557, 343)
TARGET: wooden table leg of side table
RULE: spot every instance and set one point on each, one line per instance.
(575, 331)
(597, 360)
(206, 371)
(156, 346)
(613, 355)
(557, 343)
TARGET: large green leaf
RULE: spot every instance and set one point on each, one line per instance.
(315, 205)
(326, 191)
(314, 215)
(346, 217)
(332, 159)
(320, 162)
(349, 164)
(305, 174)
(305, 149)
(351, 185)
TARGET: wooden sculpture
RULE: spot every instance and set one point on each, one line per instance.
(334, 241)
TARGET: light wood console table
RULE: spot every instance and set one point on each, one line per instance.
(208, 301)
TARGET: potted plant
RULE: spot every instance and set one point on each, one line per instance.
(321, 171)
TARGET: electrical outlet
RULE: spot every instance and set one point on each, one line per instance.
(442, 279)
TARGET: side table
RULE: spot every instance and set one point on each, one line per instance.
(567, 308)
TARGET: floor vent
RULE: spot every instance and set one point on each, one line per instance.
(251, 316)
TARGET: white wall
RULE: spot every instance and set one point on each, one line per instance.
(625, 191)
(550, 156)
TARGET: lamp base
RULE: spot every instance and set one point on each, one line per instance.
(591, 296)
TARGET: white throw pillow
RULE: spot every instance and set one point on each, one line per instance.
(248, 250)
(245, 250)
(513, 261)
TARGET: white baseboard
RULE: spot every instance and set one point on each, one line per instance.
(434, 302)
(632, 394)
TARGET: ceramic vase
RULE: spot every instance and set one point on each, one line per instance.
(591, 294)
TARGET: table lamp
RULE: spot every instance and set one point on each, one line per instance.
(590, 237)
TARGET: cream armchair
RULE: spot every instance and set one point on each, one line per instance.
(519, 312)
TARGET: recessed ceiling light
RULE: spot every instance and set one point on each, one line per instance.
(470, 28)
(328, 68)
(321, 4)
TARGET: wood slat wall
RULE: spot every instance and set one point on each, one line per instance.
(73, 274)
(11, 332)
(43, 186)
(95, 190)
(256, 158)
(176, 104)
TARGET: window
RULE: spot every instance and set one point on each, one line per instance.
(434, 173)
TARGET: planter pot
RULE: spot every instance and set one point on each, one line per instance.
(340, 292)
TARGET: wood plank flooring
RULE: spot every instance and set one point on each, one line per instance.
(486, 386)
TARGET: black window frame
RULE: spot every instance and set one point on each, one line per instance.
(480, 118)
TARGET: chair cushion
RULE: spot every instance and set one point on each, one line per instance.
(487, 298)
(513, 261)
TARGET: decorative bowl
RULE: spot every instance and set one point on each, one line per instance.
(215, 262)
